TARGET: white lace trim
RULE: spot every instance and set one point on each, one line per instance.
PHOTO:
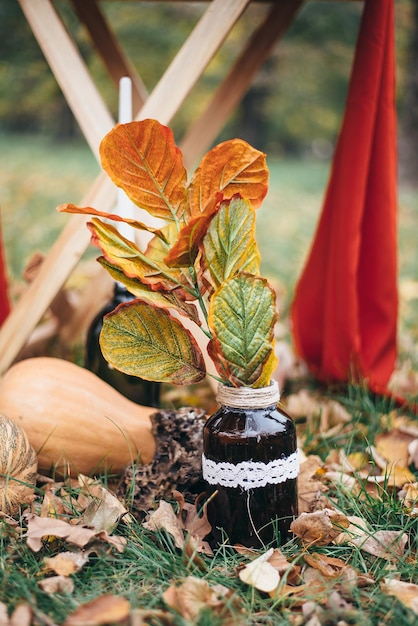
(250, 474)
(248, 397)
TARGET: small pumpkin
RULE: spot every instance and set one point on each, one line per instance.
(75, 421)
(18, 466)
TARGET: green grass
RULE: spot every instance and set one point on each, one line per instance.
(38, 174)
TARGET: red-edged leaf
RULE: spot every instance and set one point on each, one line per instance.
(72, 208)
(142, 159)
(231, 167)
(185, 250)
(148, 342)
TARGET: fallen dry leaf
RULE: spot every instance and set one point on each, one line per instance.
(409, 495)
(195, 594)
(195, 523)
(66, 563)
(347, 483)
(41, 527)
(287, 570)
(386, 544)
(319, 528)
(358, 528)
(106, 609)
(57, 584)
(310, 484)
(329, 566)
(407, 593)
(261, 574)
(103, 511)
(164, 518)
(22, 616)
(393, 446)
(413, 453)
(404, 380)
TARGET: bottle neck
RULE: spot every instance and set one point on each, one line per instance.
(248, 397)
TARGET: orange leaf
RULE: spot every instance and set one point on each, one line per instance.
(88, 210)
(142, 159)
(185, 250)
(231, 167)
(106, 609)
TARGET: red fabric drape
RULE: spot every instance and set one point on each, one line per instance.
(344, 313)
(4, 298)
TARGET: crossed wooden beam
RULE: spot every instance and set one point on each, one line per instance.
(162, 104)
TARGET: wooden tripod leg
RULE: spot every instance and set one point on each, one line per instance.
(57, 266)
(69, 70)
(109, 49)
(204, 130)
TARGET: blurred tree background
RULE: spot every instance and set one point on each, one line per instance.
(293, 108)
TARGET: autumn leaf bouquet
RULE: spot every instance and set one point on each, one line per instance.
(201, 267)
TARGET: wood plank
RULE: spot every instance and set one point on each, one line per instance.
(109, 49)
(205, 129)
(192, 59)
(57, 266)
(70, 71)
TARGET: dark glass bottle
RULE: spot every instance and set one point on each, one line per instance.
(136, 389)
(250, 459)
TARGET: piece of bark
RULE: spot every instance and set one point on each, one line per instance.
(177, 462)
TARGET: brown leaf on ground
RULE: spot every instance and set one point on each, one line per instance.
(358, 528)
(195, 594)
(393, 446)
(386, 544)
(409, 496)
(53, 505)
(319, 528)
(195, 522)
(329, 566)
(164, 518)
(407, 593)
(285, 569)
(310, 485)
(106, 609)
(40, 528)
(57, 584)
(66, 563)
(404, 380)
(330, 413)
(103, 511)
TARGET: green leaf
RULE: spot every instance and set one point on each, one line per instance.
(147, 341)
(242, 316)
(142, 159)
(229, 244)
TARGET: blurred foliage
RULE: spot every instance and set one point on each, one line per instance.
(294, 105)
